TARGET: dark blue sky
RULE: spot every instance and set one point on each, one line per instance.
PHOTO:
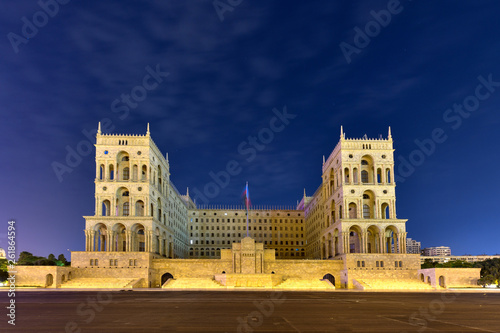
(226, 76)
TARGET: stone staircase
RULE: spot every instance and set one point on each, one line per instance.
(192, 283)
(98, 283)
(391, 284)
(309, 284)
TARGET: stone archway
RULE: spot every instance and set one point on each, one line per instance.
(442, 282)
(330, 278)
(49, 280)
(165, 277)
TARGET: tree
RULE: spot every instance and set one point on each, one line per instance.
(428, 263)
(61, 258)
(490, 267)
(4, 271)
(51, 257)
(44, 262)
(486, 280)
(27, 258)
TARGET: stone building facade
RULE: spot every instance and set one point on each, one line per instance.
(144, 233)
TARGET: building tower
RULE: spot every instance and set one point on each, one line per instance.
(359, 199)
(134, 199)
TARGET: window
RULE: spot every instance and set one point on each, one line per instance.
(91, 262)
(126, 173)
(364, 176)
(366, 211)
(126, 209)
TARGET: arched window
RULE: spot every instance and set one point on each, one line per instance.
(134, 172)
(126, 209)
(125, 194)
(388, 173)
(102, 171)
(126, 173)
(366, 211)
(364, 162)
(364, 176)
(385, 211)
(144, 172)
(353, 213)
(139, 208)
(105, 208)
(111, 172)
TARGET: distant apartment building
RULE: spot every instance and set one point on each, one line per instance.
(412, 246)
(466, 258)
(439, 251)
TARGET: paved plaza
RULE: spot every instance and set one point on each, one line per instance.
(259, 311)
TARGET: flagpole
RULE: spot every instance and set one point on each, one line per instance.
(246, 204)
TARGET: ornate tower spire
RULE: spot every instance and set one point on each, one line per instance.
(99, 128)
(147, 132)
(341, 131)
(323, 159)
(390, 135)
(304, 192)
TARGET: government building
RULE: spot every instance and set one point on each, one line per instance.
(145, 233)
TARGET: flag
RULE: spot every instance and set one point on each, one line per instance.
(245, 196)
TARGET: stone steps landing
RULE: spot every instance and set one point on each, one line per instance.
(305, 284)
(392, 284)
(97, 283)
(192, 283)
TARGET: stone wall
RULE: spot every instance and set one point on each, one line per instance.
(39, 275)
(450, 277)
(305, 269)
(81, 259)
(188, 268)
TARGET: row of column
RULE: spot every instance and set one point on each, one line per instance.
(108, 241)
(106, 172)
(328, 247)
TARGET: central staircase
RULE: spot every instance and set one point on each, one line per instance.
(97, 283)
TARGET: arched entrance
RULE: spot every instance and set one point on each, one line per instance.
(422, 277)
(49, 280)
(330, 278)
(442, 282)
(165, 277)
